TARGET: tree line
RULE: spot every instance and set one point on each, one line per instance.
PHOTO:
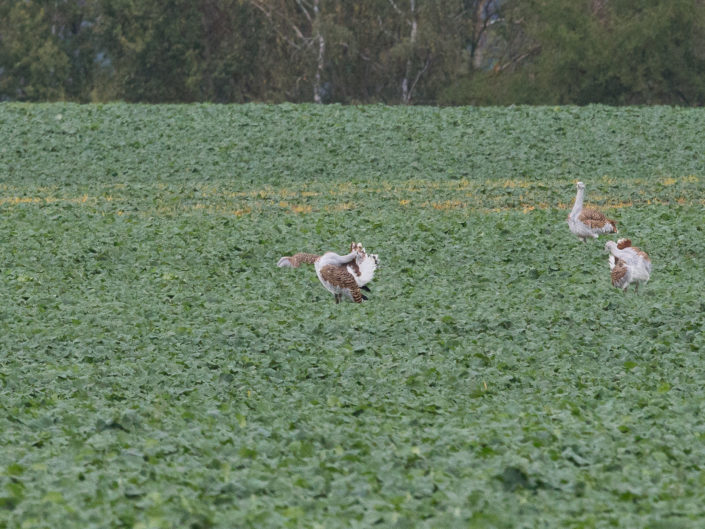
(444, 52)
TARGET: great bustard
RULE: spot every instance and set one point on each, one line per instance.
(628, 264)
(588, 222)
(343, 275)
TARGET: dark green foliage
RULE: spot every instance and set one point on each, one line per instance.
(447, 52)
(153, 48)
(612, 52)
(158, 370)
(164, 51)
(45, 51)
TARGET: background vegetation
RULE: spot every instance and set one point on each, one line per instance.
(158, 370)
(482, 52)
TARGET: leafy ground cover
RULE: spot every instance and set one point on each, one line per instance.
(158, 370)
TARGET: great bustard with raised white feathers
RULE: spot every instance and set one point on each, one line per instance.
(628, 264)
(588, 222)
(342, 275)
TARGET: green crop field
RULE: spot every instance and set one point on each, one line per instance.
(158, 370)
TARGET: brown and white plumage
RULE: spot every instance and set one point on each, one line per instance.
(333, 273)
(628, 264)
(627, 243)
(344, 276)
(620, 273)
(588, 222)
(296, 260)
(340, 282)
(364, 266)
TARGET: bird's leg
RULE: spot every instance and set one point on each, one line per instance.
(636, 288)
(337, 299)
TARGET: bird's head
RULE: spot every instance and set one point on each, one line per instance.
(580, 185)
(362, 253)
(357, 247)
(624, 243)
(610, 245)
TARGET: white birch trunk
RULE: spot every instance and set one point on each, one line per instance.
(321, 55)
(480, 25)
(405, 88)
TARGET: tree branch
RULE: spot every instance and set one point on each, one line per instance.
(305, 11)
(419, 74)
(515, 60)
(396, 8)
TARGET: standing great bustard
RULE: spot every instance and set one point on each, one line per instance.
(344, 275)
(628, 264)
(588, 222)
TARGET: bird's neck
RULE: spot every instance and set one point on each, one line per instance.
(578, 206)
(621, 254)
(335, 259)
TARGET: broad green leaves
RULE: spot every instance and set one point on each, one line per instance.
(158, 370)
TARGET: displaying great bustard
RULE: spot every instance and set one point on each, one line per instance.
(343, 275)
(588, 222)
(628, 264)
